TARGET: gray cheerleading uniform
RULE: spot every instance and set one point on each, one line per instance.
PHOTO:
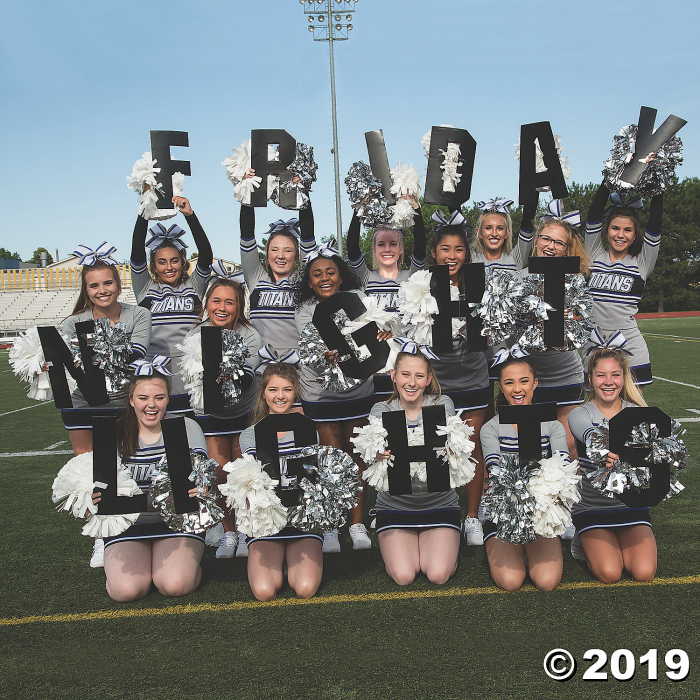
(420, 509)
(286, 447)
(560, 374)
(138, 327)
(617, 286)
(497, 439)
(174, 310)
(595, 511)
(271, 303)
(236, 417)
(321, 404)
(150, 525)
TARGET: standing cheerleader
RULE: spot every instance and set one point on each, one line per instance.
(419, 532)
(100, 288)
(278, 390)
(165, 287)
(224, 305)
(618, 275)
(149, 552)
(610, 536)
(463, 375)
(560, 371)
(517, 382)
(336, 414)
(270, 286)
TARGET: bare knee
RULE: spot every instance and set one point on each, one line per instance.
(175, 585)
(643, 571)
(607, 572)
(546, 580)
(266, 589)
(403, 576)
(508, 579)
(306, 588)
(127, 590)
(440, 574)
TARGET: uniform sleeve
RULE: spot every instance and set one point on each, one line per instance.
(255, 343)
(418, 258)
(557, 439)
(303, 315)
(521, 252)
(68, 325)
(379, 408)
(140, 279)
(195, 437)
(247, 441)
(446, 401)
(357, 260)
(250, 261)
(307, 244)
(141, 333)
(652, 238)
(490, 444)
(594, 222)
(202, 271)
(580, 423)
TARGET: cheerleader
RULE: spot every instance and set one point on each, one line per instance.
(166, 288)
(149, 551)
(224, 305)
(560, 371)
(386, 276)
(419, 532)
(100, 287)
(610, 536)
(270, 286)
(336, 414)
(278, 390)
(618, 274)
(463, 375)
(517, 382)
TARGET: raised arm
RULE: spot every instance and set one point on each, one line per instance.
(357, 261)
(250, 261)
(594, 222)
(652, 237)
(206, 257)
(307, 228)
(521, 252)
(139, 267)
(419, 251)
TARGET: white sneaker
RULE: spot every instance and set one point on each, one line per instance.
(473, 532)
(360, 538)
(242, 548)
(331, 545)
(569, 533)
(97, 560)
(577, 548)
(227, 548)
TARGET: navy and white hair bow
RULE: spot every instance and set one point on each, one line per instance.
(291, 226)
(410, 346)
(556, 213)
(88, 256)
(160, 235)
(616, 341)
(219, 270)
(499, 205)
(618, 201)
(516, 352)
(270, 356)
(455, 219)
(326, 250)
(146, 368)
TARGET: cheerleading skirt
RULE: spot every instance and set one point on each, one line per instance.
(610, 518)
(150, 531)
(285, 534)
(215, 426)
(179, 405)
(490, 529)
(418, 519)
(560, 377)
(383, 387)
(639, 362)
(81, 418)
(339, 410)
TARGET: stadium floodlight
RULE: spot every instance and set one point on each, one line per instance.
(336, 29)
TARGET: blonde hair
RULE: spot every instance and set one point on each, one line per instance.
(399, 238)
(277, 369)
(508, 241)
(575, 245)
(432, 389)
(630, 391)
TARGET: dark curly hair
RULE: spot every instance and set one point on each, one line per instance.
(302, 292)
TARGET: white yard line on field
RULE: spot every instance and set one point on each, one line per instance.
(42, 453)
(673, 381)
(26, 408)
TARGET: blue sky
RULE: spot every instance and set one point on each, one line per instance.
(83, 83)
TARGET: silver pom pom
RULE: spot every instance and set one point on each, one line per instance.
(234, 353)
(578, 315)
(112, 347)
(499, 306)
(366, 195)
(305, 167)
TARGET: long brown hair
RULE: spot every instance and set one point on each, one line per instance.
(240, 299)
(83, 303)
(277, 369)
(576, 247)
(287, 234)
(629, 392)
(526, 360)
(128, 425)
(627, 213)
(185, 263)
(433, 389)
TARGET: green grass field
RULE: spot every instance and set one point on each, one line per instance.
(362, 636)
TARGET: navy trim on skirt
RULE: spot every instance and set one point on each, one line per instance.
(81, 418)
(469, 400)
(422, 519)
(383, 387)
(610, 518)
(179, 405)
(152, 531)
(213, 426)
(571, 395)
(286, 533)
(342, 409)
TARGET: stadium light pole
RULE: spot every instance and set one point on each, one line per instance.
(330, 20)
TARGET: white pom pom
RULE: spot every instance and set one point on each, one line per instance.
(251, 492)
(416, 306)
(192, 369)
(237, 165)
(539, 160)
(458, 450)
(27, 360)
(425, 141)
(555, 489)
(403, 214)
(178, 185)
(144, 172)
(373, 312)
(371, 439)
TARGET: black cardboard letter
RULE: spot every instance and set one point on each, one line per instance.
(530, 180)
